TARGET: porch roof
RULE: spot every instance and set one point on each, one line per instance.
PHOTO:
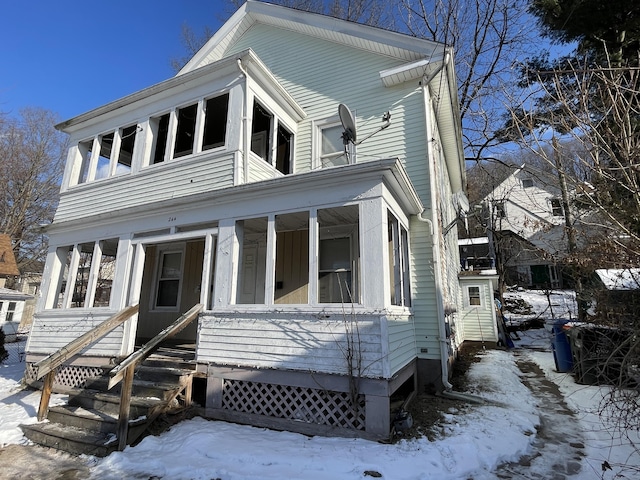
(390, 172)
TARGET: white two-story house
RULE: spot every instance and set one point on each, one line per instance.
(324, 270)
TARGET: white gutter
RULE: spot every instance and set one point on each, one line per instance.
(245, 123)
(433, 222)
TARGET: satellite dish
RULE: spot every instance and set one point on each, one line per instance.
(348, 123)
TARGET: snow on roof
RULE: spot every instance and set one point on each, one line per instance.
(620, 278)
(473, 241)
(8, 294)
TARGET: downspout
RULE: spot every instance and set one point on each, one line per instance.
(433, 222)
(245, 133)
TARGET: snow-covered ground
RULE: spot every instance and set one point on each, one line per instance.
(473, 441)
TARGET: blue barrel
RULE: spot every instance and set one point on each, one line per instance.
(561, 347)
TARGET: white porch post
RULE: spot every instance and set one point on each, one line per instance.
(374, 254)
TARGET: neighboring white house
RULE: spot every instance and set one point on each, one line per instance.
(527, 210)
(229, 185)
(12, 307)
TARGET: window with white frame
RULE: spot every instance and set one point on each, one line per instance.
(106, 155)
(330, 149)
(474, 296)
(339, 255)
(86, 273)
(11, 310)
(271, 140)
(398, 244)
(556, 207)
(168, 279)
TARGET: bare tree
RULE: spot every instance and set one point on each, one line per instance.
(32, 155)
(488, 37)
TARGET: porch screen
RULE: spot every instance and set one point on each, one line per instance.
(339, 255)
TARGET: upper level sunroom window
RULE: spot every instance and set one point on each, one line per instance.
(189, 129)
(107, 155)
(270, 139)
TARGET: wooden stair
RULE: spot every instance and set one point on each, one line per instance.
(88, 423)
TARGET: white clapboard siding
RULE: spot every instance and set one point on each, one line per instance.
(290, 342)
(54, 330)
(344, 75)
(478, 322)
(402, 343)
(170, 180)
(261, 170)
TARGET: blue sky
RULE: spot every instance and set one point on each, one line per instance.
(71, 56)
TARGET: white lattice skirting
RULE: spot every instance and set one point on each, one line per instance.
(294, 403)
(67, 375)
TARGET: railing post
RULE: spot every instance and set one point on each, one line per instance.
(125, 403)
(47, 387)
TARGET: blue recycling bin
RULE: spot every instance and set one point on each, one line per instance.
(561, 347)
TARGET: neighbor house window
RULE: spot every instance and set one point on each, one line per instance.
(556, 207)
(330, 146)
(473, 296)
(11, 310)
(339, 255)
(527, 182)
(398, 239)
(168, 279)
(499, 209)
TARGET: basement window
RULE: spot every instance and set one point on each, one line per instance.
(215, 122)
(185, 131)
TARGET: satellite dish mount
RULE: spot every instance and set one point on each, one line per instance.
(350, 135)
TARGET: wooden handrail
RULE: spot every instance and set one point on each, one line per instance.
(117, 373)
(48, 365)
(125, 369)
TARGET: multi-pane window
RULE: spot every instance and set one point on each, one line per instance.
(556, 207)
(99, 157)
(169, 277)
(473, 296)
(86, 273)
(331, 150)
(398, 244)
(263, 126)
(11, 310)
